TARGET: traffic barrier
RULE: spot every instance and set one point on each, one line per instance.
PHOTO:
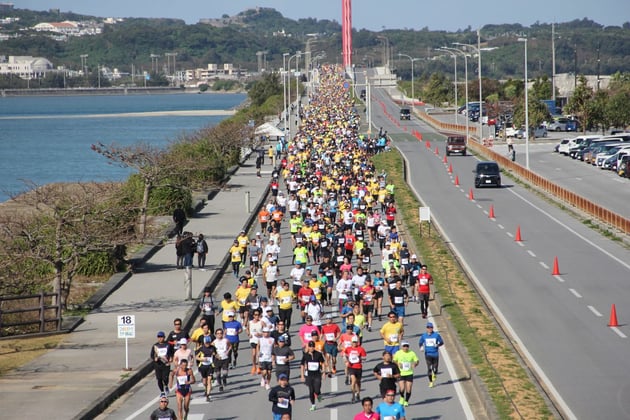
(613, 317)
(445, 160)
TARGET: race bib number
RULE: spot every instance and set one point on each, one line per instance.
(404, 261)
(286, 299)
(312, 366)
(284, 403)
(230, 331)
(330, 337)
(393, 338)
(386, 372)
(354, 358)
(398, 299)
(406, 365)
(181, 380)
(281, 360)
(307, 336)
(162, 352)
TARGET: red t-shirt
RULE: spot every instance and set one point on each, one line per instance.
(424, 280)
(330, 329)
(354, 355)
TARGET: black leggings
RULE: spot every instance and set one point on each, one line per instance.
(314, 383)
(162, 372)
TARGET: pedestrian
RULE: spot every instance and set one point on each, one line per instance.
(406, 360)
(389, 408)
(387, 373)
(431, 341)
(312, 372)
(283, 397)
(367, 412)
(202, 251)
(179, 256)
(179, 217)
(162, 356)
(182, 378)
(188, 249)
(259, 162)
(163, 412)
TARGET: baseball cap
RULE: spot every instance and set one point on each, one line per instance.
(283, 376)
(207, 339)
(183, 341)
(429, 325)
(309, 318)
(311, 344)
(314, 333)
(414, 256)
(309, 268)
(264, 299)
(258, 234)
(355, 338)
(404, 343)
(229, 313)
(269, 309)
(281, 339)
(161, 334)
(266, 330)
(328, 316)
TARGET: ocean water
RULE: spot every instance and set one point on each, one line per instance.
(48, 139)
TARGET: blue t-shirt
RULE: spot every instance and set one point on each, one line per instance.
(229, 327)
(431, 342)
(394, 410)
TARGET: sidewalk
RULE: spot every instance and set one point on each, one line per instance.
(87, 370)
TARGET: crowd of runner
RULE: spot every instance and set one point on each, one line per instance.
(352, 275)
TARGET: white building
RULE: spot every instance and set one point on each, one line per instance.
(25, 67)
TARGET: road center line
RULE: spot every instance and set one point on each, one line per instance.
(509, 234)
(575, 293)
(545, 266)
(530, 252)
(595, 311)
(618, 332)
(501, 226)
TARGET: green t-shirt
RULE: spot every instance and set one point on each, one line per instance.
(405, 361)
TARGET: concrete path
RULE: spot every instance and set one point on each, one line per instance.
(88, 367)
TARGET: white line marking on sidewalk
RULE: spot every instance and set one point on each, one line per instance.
(619, 333)
(545, 266)
(575, 293)
(485, 212)
(595, 311)
(530, 252)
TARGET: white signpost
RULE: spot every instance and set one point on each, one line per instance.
(126, 330)
(425, 216)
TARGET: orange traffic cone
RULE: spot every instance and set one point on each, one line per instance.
(491, 212)
(450, 167)
(456, 181)
(556, 270)
(518, 234)
(471, 196)
(445, 160)
(437, 152)
(613, 317)
(428, 143)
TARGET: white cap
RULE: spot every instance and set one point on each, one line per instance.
(414, 256)
(183, 341)
(258, 233)
(229, 313)
(355, 338)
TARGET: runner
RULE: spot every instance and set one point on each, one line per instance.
(355, 355)
(285, 298)
(425, 280)
(282, 357)
(283, 397)
(398, 299)
(182, 377)
(389, 408)
(387, 373)
(331, 334)
(163, 412)
(205, 357)
(406, 360)
(162, 356)
(222, 358)
(367, 412)
(312, 372)
(431, 341)
(392, 333)
(265, 360)
(232, 330)
(255, 332)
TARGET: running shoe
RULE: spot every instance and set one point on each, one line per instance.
(262, 381)
(353, 399)
(267, 387)
(430, 384)
(253, 371)
(406, 404)
(312, 408)
(433, 377)
(401, 401)
(221, 388)
(347, 380)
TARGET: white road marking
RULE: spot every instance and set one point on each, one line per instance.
(500, 226)
(520, 243)
(509, 234)
(560, 279)
(578, 178)
(485, 212)
(141, 410)
(619, 333)
(479, 206)
(595, 311)
(575, 293)
(530, 252)
(545, 266)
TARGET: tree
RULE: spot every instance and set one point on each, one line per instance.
(437, 89)
(617, 109)
(150, 162)
(598, 110)
(262, 89)
(578, 104)
(541, 89)
(54, 226)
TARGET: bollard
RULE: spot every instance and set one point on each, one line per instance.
(247, 203)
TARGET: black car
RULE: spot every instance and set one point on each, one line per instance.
(405, 114)
(487, 173)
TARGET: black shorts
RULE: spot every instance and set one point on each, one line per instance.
(206, 370)
(265, 366)
(356, 372)
(412, 280)
(408, 378)
(368, 308)
(221, 364)
(271, 284)
(243, 309)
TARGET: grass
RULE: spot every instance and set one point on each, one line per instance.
(489, 351)
(16, 352)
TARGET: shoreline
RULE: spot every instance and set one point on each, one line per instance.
(189, 113)
(127, 90)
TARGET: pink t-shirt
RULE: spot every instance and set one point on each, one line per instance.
(363, 416)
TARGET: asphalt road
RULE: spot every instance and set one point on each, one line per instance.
(558, 322)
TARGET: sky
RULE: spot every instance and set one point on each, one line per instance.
(374, 15)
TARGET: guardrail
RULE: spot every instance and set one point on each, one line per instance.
(583, 204)
(41, 309)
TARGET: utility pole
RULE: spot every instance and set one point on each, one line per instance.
(553, 62)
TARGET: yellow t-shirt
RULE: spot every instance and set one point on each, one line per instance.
(316, 285)
(392, 333)
(241, 294)
(227, 307)
(285, 298)
(235, 252)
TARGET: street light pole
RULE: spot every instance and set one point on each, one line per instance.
(450, 51)
(466, 77)
(288, 124)
(526, 108)
(477, 49)
(284, 87)
(413, 94)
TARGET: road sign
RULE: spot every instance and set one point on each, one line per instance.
(346, 85)
(425, 214)
(126, 326)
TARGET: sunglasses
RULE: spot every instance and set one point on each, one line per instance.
(390, 395)
(165, 402)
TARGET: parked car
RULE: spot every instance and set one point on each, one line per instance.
(623, 166)
(487, 173)
(514, 132)
(611, 153)
(563, 146)
(405, 114)
(558, 125)
(540, 131)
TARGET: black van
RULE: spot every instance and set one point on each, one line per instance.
(487, 173)
(405, 114)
